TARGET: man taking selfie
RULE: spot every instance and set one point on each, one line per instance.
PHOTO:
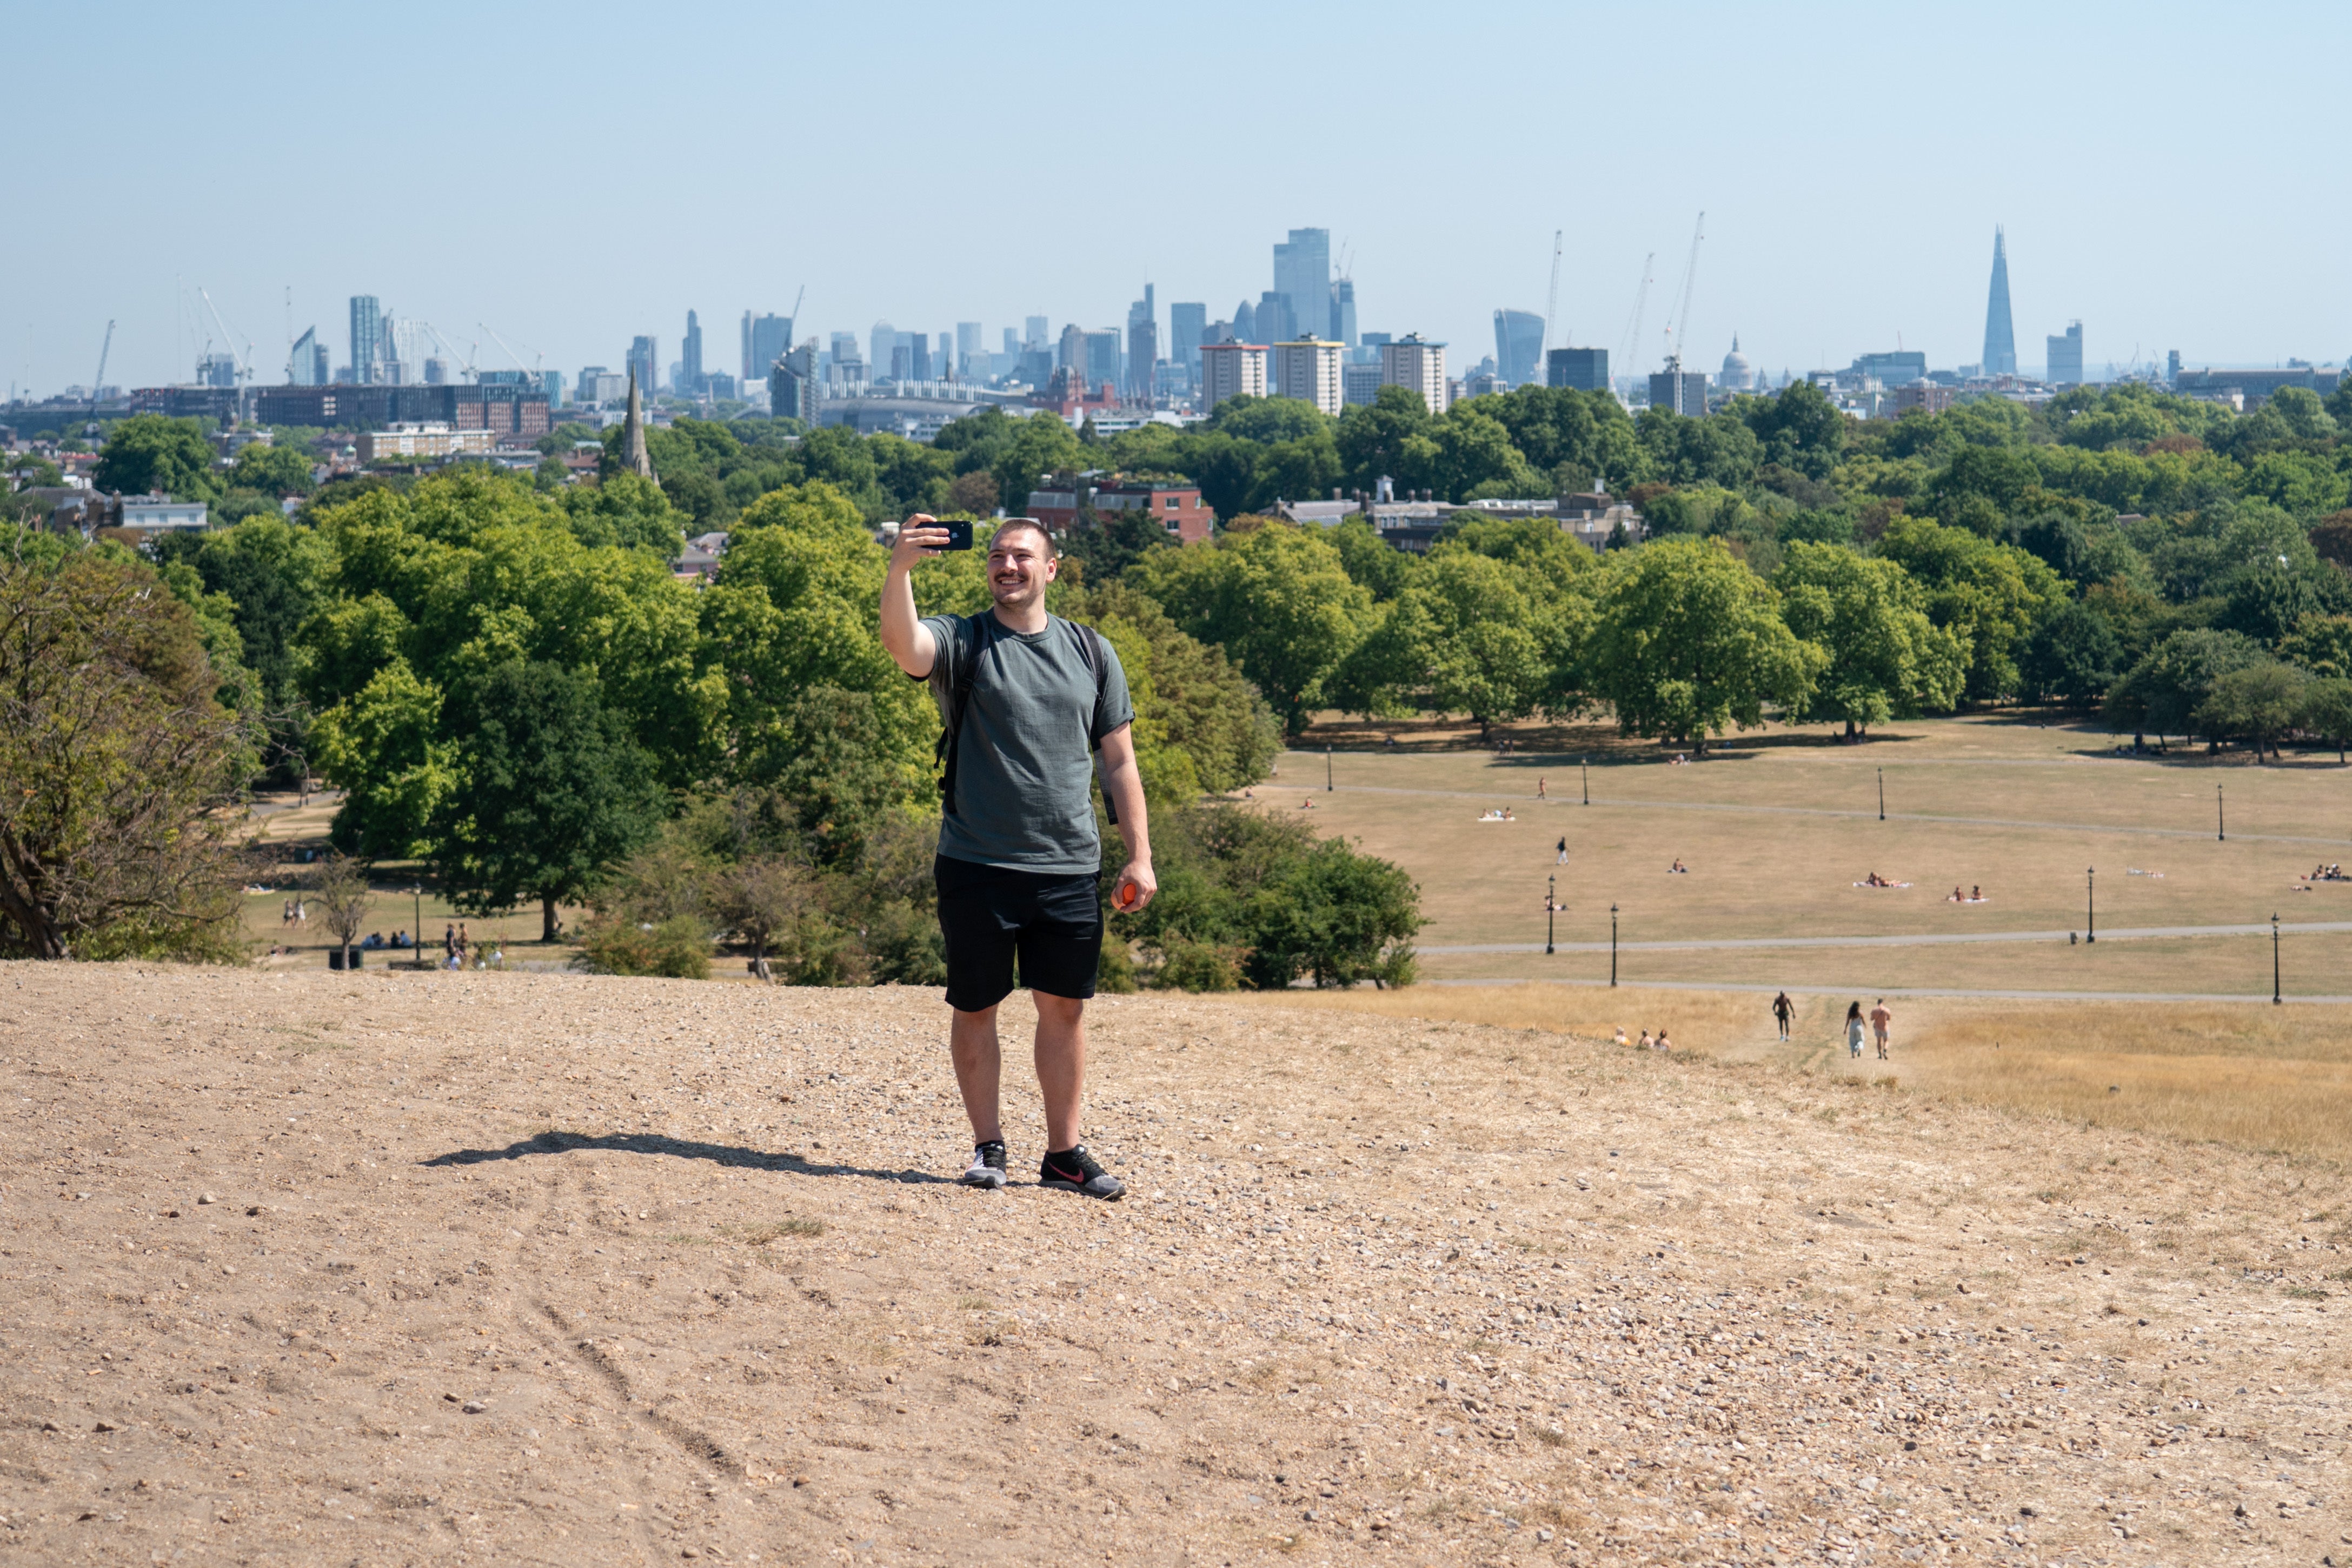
(1025, 697)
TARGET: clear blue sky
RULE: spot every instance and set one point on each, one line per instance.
(2172, 175)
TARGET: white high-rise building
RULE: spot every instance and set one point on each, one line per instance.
(1231, 370)
(1418, 364)
(1308, 370)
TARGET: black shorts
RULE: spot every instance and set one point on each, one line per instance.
(990, 914)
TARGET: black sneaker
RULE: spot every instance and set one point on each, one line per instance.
(1075, 1171)
(987, 1166)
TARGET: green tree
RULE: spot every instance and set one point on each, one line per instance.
(1885, 658)
(1380, 571)
(148, 454)
(1992, 595)
(1188, 695)
(1686, 642)
(2258, 702)
(552, 791)
(273, 470)
(626, 512)
(2169, 685)
(2073, 656)
(120, 769)
(1277, 599)
(1336, 916)
(2322, 644)
(1372, 435)
(273, 575)
(2327, 710)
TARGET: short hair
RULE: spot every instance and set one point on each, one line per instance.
(1044, 533)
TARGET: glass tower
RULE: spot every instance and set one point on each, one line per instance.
(2000, 337)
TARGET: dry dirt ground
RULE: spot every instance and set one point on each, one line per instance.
(395, 1268)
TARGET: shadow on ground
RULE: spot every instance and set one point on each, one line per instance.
(677, 1149)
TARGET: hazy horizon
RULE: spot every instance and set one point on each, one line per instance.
(575, 185)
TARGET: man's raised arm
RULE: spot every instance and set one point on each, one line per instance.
(908, 641)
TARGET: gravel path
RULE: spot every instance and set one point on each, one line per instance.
(555, 1269)
(2124, 934)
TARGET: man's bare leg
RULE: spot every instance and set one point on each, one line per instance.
(979, 1065)
(1060, 1054)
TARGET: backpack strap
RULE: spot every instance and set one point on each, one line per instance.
(1096, 653)
(960, 699)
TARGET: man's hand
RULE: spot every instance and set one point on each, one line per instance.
(1135, 888)
(909, 644)
(920, 537)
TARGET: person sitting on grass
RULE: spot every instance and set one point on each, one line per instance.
(1620, 1035)
(1645, 1043)
(1956, 897)
(1662, 1043)
(1975, 893)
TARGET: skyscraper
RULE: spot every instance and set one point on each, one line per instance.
(367, 337)
(1308, 370)
(1302, 277)
(1070, 354)
(642, 356)
(2000, 338)
(971, 358)
(1102, 357)
(881, 341)
(1518, 344)
(1245, 323)
(1276, 321)
(1343, 311)
(690, 365)
(1187, 323)
(766, 339)
(1231, 370)
(1142, 357)
(1585, 370)
(2064, 367)
(1035, 329)
(307, 366)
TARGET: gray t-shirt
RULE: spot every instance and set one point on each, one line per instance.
(1025, 756)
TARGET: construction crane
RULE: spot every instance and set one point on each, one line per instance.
(1632, 344)
(244, 361)
(1551, 300)
(529, 370)
(1678, 334)
(99, 381)
(465, 361)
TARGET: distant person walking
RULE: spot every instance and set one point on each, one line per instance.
(1783, 1010)
(1853, 1031)
(1539, 789)
(1562, 860)
(1880, 1018)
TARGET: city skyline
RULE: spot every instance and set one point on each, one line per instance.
(1435, 233)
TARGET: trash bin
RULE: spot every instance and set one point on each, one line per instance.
(335, 957)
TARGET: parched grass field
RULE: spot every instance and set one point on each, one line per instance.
(2166, 1032)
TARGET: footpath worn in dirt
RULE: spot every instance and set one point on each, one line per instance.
(539, 1268)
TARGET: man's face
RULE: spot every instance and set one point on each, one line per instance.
(1019, 568)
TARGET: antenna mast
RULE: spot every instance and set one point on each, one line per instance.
(1551, 300)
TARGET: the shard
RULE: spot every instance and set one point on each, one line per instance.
(2000, 338)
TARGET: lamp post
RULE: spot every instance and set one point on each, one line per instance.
(1326, 768)
(1551, 906)
(2275, 960)
(1612, 947)
(1585, 769)
(416, 932)
(2091, 900)
(2220, 818)
(1882, 794)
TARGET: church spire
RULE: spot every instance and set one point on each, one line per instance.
(632, 433)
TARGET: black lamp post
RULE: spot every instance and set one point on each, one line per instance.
(2091, 900)
(2275, 960)
(1326, 768)
(416, 932)
(2220, 819)
(1552, 906)
(1585, 769)
(1882, 794)
(1613, 946)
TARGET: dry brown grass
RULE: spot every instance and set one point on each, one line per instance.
(2270, 1079)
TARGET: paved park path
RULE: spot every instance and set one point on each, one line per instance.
(1875, 990)
(1518, 800)
(2120, 933)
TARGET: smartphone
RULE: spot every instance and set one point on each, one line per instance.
(959, 535)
